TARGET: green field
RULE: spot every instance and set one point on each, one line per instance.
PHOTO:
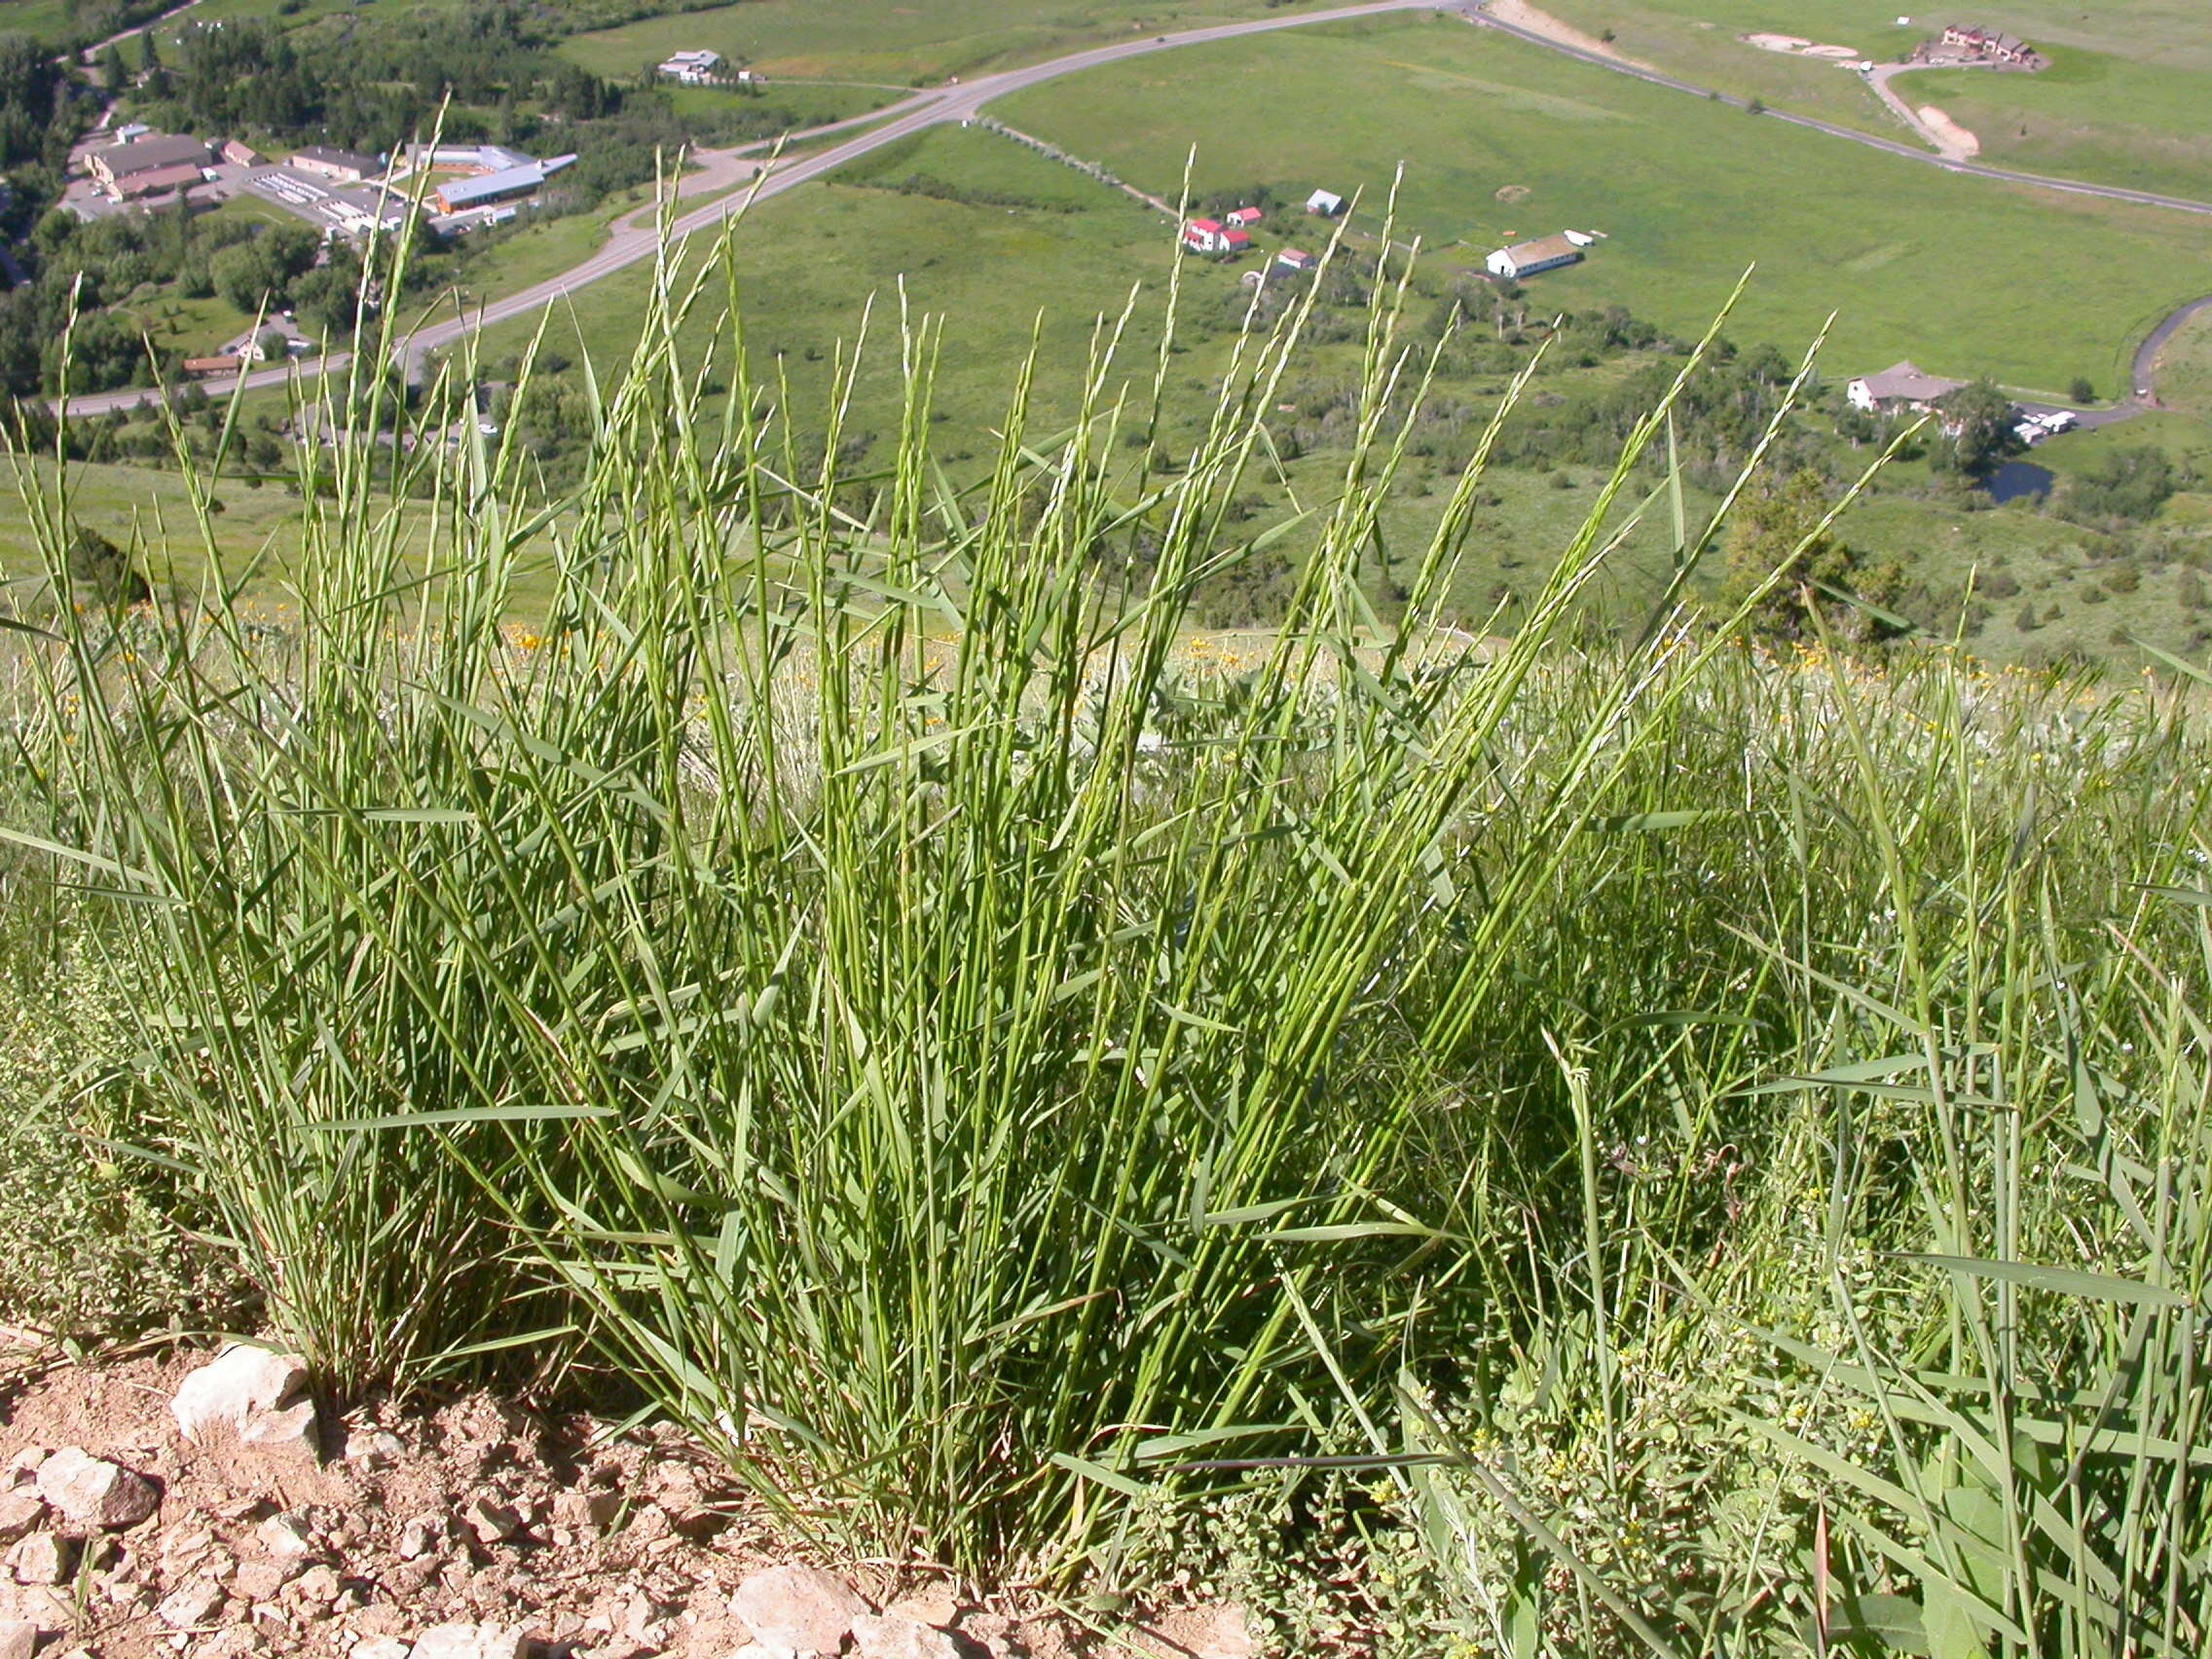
(1686, 193)
(2184, 369)
(2089, 115)
(2123, 103)
(884, 41)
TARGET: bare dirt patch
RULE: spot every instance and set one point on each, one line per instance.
(1511, 193)
(1797, 47)
(471, 1529)
(1523, 15)
(1948, 133)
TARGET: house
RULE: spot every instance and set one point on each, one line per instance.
(1992, 44)
(239, 155)
(694, 68)
(344, 167)
(1901, 386)
(1234, 241)
(460, 195)
(1202, 236)
(161, 151)
(1324, 204)
(1526, 259)
(1244, 218)
(130, 132)
(1296, 259)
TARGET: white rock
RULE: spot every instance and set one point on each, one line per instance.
(19, 1638)
(42, 1558)
(285, 1537)
(93, 1492)
(193, 1606)
(469, 1641)
(893, 1636)
(798, 1611)
(257, 1397)
(381, 1647)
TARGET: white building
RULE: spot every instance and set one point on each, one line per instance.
(1327, 203)
(1526, 259)
(694, 68)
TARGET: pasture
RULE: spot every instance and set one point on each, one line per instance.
(883, 41)
(1685, 193)
(2090, 115)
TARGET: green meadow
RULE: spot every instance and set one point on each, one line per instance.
(884, 41)
(2090, 115)
(1967, 277)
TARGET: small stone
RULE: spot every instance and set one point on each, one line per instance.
(586, 1514)
(19, 1638)
(20, 1510)
(196, 1604)
(286, 1538)
(93, 1492)
(240, 1642)
(258, 1580)
(891, 1637)
(418, 1539)
(256, 1398)
(43, 1558)
(318, 1586)
(491, 1523)
(797, 1611)
(469, 1641)
(381, 1647)
(374, 1452)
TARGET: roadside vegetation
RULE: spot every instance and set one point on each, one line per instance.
(1684, 1142)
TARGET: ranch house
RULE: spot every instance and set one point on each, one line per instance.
(1902, 386)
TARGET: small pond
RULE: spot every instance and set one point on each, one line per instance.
(2017, 478)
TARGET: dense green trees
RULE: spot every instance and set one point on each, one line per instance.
(1826, 585)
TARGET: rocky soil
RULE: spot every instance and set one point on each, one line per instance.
(202, 1507)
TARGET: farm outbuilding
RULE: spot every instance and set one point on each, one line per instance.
(1325, 204)
(1526, 259)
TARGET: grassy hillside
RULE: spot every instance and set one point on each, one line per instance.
(1552, 1148)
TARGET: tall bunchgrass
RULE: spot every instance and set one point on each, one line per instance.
(851, 959)
(1870, 1249)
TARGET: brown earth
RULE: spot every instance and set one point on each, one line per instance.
(555, 1534)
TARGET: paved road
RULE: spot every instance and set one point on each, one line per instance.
(637, 238)
(2142, 375)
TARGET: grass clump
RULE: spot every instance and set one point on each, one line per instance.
(1614, 1144)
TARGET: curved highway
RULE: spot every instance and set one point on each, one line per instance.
(637, 238)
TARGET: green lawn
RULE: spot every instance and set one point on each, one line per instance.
(2090, 115)
(1967, 277)
(886, 40)
(2184, 369)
